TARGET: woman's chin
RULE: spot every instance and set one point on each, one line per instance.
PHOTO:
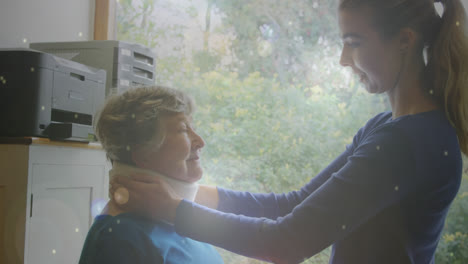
(192, 178)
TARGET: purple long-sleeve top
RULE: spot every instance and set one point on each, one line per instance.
(383, 200)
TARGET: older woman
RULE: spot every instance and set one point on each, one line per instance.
(148, 129)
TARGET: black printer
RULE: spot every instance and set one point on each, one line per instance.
(46, 96)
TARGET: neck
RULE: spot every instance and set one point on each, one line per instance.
(409, 97)
(185, 190)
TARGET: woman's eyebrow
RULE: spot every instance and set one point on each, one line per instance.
(351, 35)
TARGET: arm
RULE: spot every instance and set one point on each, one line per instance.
(274, 205)
(370, 181)
(207, 196)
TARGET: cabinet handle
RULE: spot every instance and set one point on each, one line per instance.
(30, 209)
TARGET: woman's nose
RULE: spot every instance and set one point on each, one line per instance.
(344, 58)
(197, 140)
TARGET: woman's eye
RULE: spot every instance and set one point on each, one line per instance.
(353, 44)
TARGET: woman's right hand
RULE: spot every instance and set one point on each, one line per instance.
(145, 195)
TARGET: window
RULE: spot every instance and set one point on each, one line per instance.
(274, 105)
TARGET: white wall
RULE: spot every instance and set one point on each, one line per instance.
(26, 21)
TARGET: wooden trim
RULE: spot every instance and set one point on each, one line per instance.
(76, 144)
(104, 15)
(47, 141)
(14, 185)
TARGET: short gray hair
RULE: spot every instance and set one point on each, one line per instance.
(133, 119)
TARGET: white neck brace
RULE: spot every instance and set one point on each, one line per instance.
(185, 190)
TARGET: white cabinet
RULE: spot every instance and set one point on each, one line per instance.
(49, 192)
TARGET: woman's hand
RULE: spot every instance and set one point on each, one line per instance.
(145, 195)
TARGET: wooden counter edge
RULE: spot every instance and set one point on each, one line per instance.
(47, 141)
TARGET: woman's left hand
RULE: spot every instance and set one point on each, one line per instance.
(146, 195)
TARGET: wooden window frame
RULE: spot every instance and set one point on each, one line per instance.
(104, 20)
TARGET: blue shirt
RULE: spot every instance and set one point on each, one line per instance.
(128, 238)
(383, 200)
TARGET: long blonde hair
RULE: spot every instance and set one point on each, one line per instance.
(445, 44)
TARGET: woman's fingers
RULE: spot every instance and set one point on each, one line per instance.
(136, 184)
(143, 177)
(113, 186)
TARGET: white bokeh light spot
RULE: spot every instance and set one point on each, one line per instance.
(25, 40)
(110, 229)
(54, 251)
(128, 148)
(77, 230)
(397, 188)
(431, 92)
(445, 153)
(97, 206)
(118, 221)
(343, 227)
(378, 147)
(42, 108)
(80, 34)
(32, 69)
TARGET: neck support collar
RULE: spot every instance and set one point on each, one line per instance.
(185, 190)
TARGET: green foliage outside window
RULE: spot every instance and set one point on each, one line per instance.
(274, 105)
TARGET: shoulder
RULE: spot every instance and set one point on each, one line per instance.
(435, 144)
(370, 125)
(386, 143)
(426, 142)
(427, 130)
(428, 127)
(120, 239)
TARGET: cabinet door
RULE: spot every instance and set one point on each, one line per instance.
(62, 199)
